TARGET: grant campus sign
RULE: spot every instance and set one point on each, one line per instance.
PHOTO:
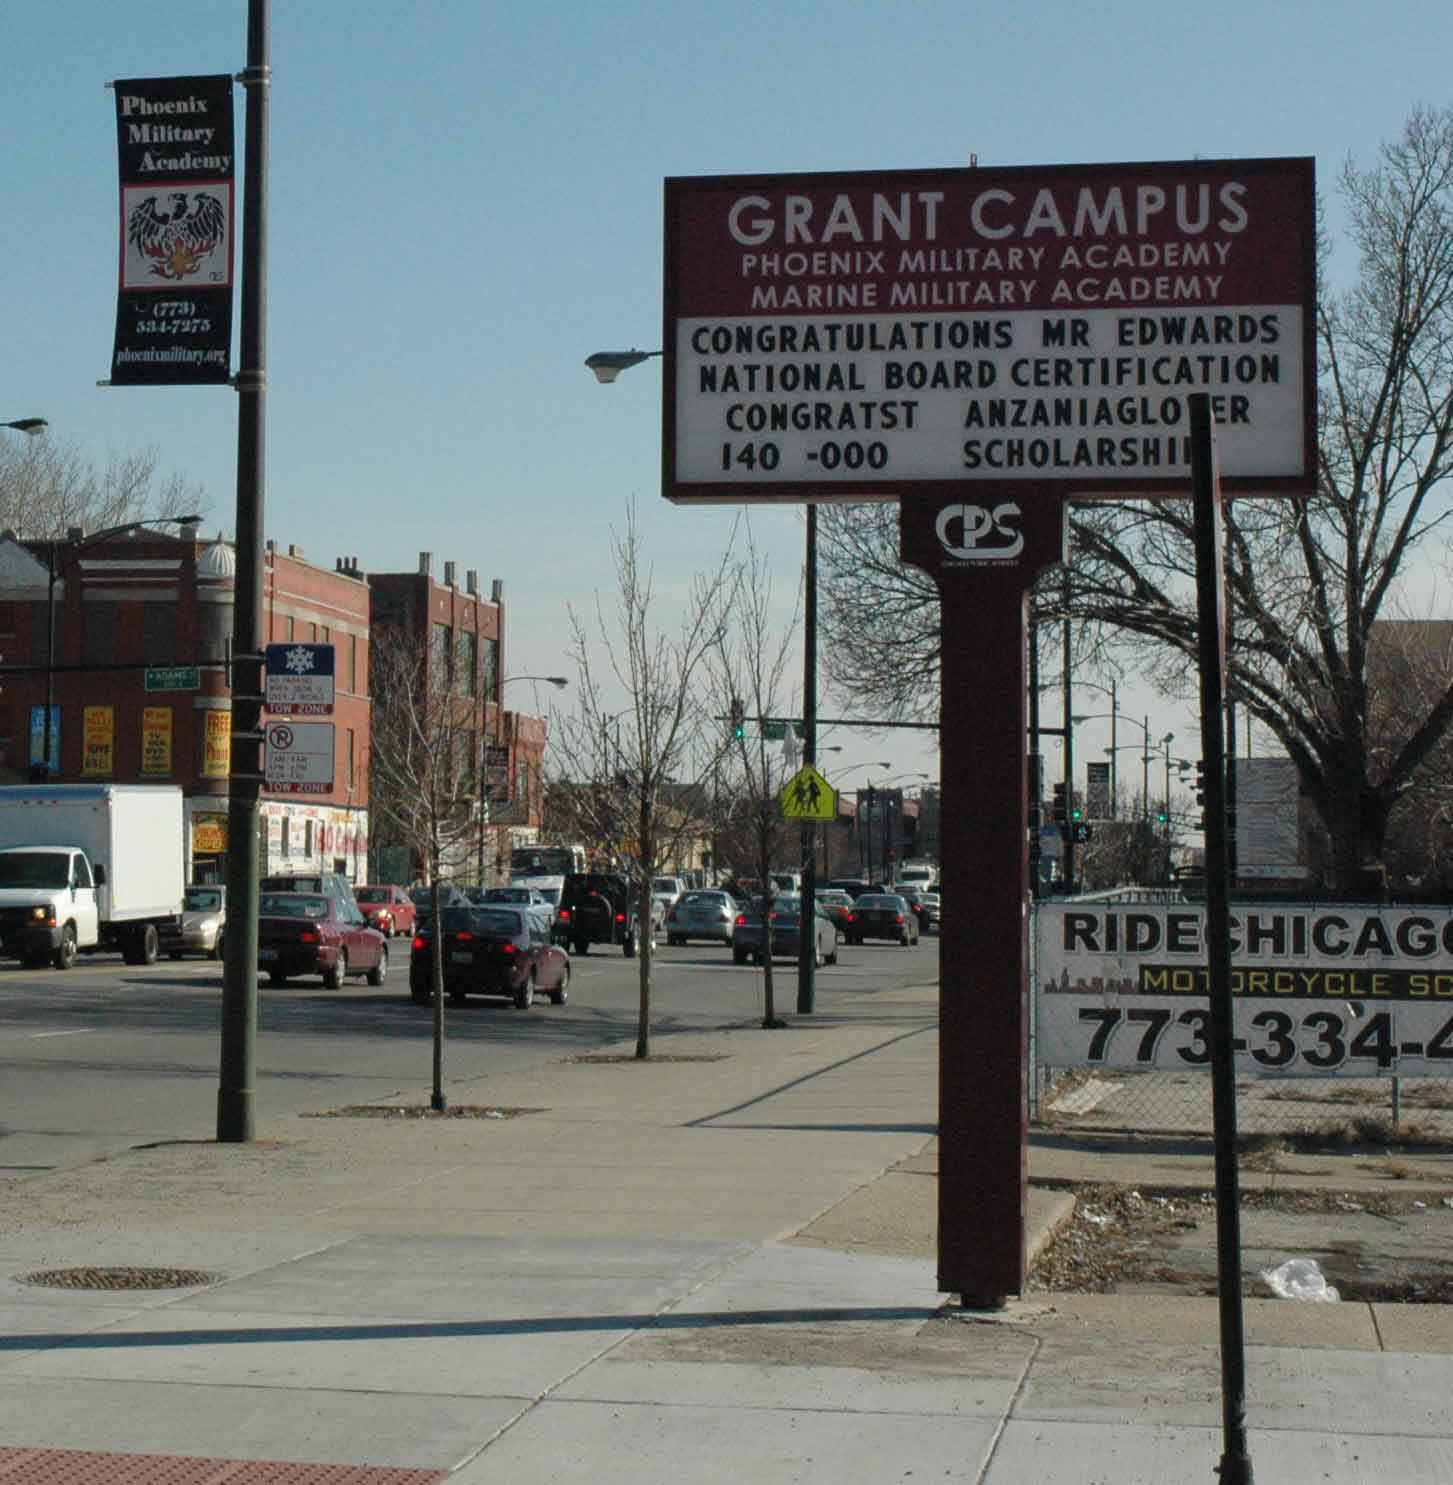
(829, 334)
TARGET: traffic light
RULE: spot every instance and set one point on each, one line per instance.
(739, 719)
(1060, 808)
(1201, 789)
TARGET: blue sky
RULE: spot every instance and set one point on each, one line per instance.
(466, 200)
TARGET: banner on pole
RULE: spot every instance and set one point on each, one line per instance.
(174, 301)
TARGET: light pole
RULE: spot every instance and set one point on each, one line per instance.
(43, 769)
(560, 683)
(875, 788)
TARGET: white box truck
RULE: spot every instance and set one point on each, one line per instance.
(88, 866)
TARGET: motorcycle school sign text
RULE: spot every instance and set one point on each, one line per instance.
(851, 336)
(1317, 989)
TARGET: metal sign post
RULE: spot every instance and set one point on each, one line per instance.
(983, 345)
(984, 850)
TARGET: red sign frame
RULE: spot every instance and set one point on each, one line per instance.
(877, 335)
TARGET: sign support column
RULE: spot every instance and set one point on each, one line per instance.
(984, 835)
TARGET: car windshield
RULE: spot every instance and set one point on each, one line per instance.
(507, 894)
(291, 905)
(483, 922)
(663, 884)
(35, 869)
(371, 894)
(894, 904)
(202, 899)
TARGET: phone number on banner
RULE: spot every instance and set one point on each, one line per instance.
(1346, 1040)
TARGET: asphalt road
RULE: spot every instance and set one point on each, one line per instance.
(108, 1055)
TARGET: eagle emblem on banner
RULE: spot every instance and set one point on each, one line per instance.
(177, 240)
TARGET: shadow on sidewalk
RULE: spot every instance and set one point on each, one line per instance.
(444, 1330)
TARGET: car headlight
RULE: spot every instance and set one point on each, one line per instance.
(44, 915)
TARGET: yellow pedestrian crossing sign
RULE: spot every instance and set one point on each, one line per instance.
(808, 796)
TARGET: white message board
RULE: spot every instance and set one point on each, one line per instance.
(866, 335)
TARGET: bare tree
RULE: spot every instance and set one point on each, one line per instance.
(1310, 578)
(425, 775)
(752, 668)
(613, 764)
(48, 485)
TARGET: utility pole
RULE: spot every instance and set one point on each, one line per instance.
(235, 1114)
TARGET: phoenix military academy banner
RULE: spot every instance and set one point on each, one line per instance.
(1318, 989)
(174, 306)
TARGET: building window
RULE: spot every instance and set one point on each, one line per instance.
(103, 623)
(288, 627)
(468, 659)
(285, 838)
(350, 760)
(441, 658)
(353, 663)
(159, 633)
(489, 681)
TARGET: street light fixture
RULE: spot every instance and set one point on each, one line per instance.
(43, 769)
(608, 365)
(30, 426)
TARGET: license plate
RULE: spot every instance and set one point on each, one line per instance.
(263, 955)
(461, 956)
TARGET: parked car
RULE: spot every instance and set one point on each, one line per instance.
(200, 929)
(310, 933)
(329, 883)
(883, 915)
(705, 914)
(914, 898)
(838, 905)
(388, 908)
(598, 907)
(749, 935)
(499, 949)
(853, 886)
(423, 901)
(669, 889)
(933, 903)
(529, 898)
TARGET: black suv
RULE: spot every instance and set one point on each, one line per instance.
(597, 907)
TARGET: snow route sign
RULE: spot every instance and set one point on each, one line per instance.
(299, 680)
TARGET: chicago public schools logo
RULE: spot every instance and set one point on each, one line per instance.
(984, 535)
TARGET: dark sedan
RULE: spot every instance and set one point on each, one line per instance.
(883, 915)
(305, 933)
(491, 949)
(749, 937)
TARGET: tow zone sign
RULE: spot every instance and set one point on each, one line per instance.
(864, 335)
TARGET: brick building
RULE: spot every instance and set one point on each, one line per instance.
(140, 687)
(463, 631)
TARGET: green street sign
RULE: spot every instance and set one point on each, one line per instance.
(174, 678)
(774, 731)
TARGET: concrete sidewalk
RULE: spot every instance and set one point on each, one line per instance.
(717, 1266)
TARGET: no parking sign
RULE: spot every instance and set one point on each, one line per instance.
(299, 757)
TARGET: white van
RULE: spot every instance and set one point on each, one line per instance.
(920, 874)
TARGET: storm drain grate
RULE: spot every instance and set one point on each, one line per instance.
(83, 1467)
(118, 1278)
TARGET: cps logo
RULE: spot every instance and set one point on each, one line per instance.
(984, 535)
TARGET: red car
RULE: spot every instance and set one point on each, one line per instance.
(389, 909)
(303, 933)
(491, 949)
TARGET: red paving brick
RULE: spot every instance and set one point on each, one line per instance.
(86, 1467)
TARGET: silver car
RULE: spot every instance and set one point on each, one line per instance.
(200, 929)
(701, 914)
